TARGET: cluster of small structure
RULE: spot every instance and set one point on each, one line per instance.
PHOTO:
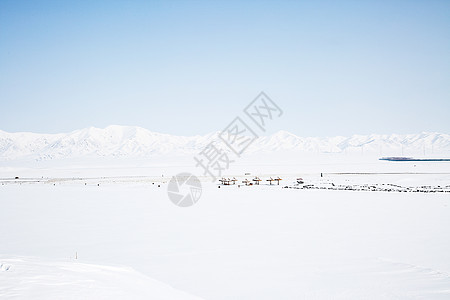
(376, 188)
(256, 181)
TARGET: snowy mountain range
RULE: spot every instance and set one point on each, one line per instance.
(131, 141)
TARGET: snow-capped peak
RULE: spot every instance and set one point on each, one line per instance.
(125, 141)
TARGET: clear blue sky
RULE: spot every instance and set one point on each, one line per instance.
(189, 67)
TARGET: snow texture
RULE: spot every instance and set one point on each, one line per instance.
(33, 278)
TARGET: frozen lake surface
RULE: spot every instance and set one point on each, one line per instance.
(258, 242)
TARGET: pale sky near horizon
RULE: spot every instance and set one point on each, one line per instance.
(190, 67)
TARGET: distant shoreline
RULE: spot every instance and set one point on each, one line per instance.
(413, 159)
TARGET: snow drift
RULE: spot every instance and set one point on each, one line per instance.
(33, 278)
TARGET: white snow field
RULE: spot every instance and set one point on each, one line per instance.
(247, 242)
(32, 278)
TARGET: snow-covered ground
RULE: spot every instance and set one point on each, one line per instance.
(33, 278)
(258, 242)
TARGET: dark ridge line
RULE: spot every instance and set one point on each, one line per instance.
(413, 159)
(393, 173)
